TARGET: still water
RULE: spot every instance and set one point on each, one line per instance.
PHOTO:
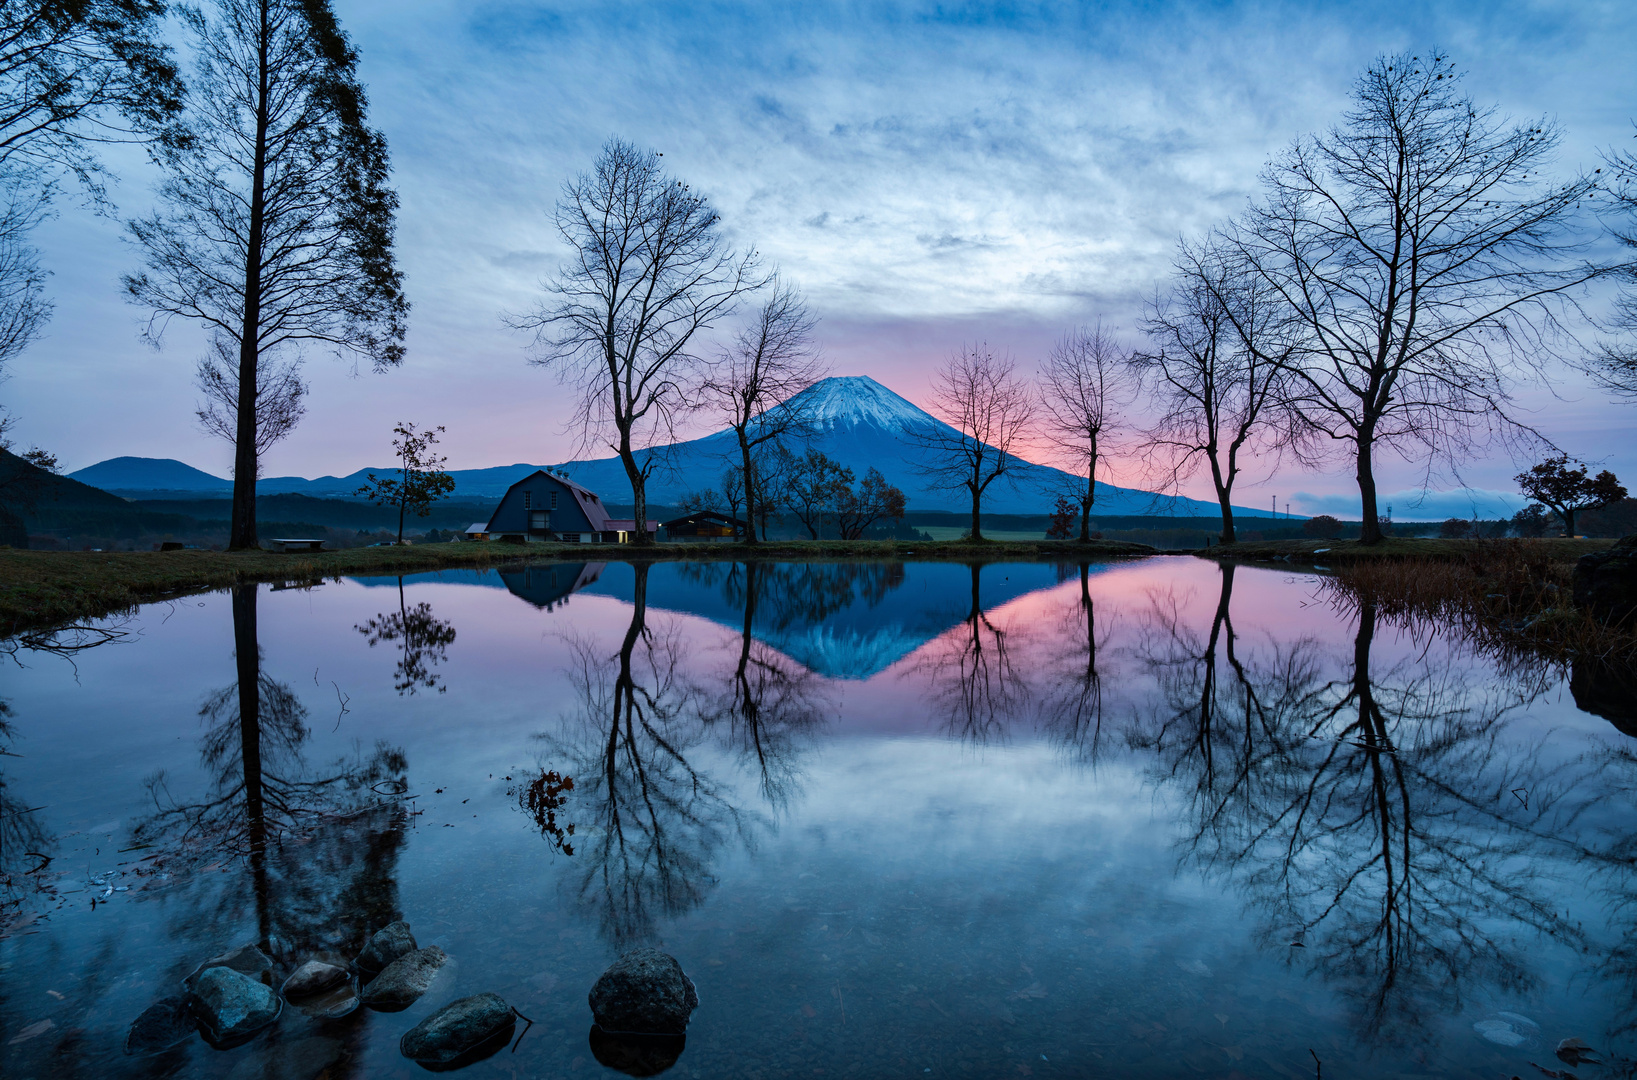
(1150, 818)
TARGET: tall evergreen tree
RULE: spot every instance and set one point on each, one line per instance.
(276, 226)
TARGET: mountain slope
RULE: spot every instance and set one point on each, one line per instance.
(148, 474)
(861, 423)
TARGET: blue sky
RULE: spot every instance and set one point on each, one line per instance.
(930, 174)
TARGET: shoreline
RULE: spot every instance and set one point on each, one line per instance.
(42, 590)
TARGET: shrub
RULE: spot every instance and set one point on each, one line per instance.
(1323, 527)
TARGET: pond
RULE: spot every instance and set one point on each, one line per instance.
(1151, 818)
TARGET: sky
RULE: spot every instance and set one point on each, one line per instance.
(930, 175)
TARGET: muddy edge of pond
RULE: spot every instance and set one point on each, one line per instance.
(45, 589)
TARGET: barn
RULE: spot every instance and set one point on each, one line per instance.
(545, 506)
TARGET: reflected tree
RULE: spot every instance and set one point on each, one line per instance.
(422, 638)
(1069, 695)
(320, 847)
(655, 820)
(971, 679)
(771, 707)
(1380, 818)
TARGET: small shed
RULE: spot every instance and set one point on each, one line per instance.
(477, 530)
(704, 526)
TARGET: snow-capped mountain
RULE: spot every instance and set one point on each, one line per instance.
(856, 421)
(861, 423)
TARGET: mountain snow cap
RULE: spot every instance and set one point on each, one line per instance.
(848, 400)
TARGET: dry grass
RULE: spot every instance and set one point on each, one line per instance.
(42, 589)
(1512, 598)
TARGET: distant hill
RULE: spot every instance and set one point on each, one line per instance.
(148, 474)
(860, 423)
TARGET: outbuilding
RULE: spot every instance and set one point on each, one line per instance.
(545, 506)
(704, 526)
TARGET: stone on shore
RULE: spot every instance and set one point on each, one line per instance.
(459, 1028)
(645, 992)
(388, 944)
(404, 980)
(232, 1006)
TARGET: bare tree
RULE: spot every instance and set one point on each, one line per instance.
(73, 74)
(813, 487)
(1425, 265)
(1216, 375)
(1615, 364)
(1086, 383)
(987, 409)
(649, 269)
(278, 392)
(277, 224)
(758, 381)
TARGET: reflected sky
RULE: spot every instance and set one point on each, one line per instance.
(1148, 818)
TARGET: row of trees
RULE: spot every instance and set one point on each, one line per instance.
(809, 486)
(1398, 277)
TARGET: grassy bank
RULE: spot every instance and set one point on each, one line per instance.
(1394, 549)
(1510, 598)
(41, 589)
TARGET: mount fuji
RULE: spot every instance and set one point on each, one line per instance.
(860, 423)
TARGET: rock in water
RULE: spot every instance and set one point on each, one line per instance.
(645, 992)
(313, 977)
(231, 1006)
(405, 979)
(459, 1029)
(1605, 582)
(389, 943)
(161, 1026)
(1606, 690)
(246, 960)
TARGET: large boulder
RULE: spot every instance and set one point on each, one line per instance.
(1605, 582)
(644, 992)
(405, 979)
(247, 960)
(389, 943)
(231, 1006)
(460, 1032)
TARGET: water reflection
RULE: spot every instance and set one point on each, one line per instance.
(1390, 839)
(1069, 699)
(651, 819)
(972, 677)
(319, 847)
(423, 641)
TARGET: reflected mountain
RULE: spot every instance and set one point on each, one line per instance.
(1379, 818)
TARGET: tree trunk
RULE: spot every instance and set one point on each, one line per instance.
(247, 656)
(977, 503)
(639, 490)
(750, 489)
(1091, 494)
(242, 528)
(1567, 513)
(1370, 527)
(1224, 500)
